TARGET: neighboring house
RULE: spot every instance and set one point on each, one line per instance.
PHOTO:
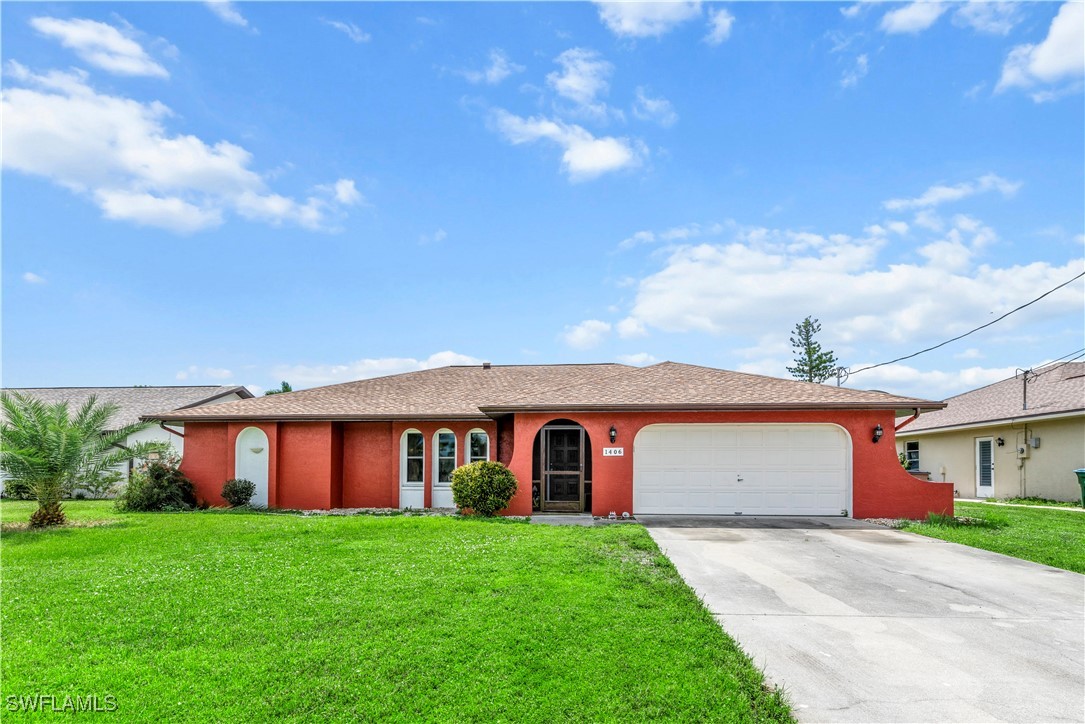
(133, 402)
(670, 438)
(1012, 438)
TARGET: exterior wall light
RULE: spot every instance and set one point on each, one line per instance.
(613, 433)
(878, 432)
(1001, 442)
(257, 450)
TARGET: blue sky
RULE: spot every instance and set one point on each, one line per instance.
(244, 193)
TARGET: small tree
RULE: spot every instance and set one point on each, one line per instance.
(284, 387)
(812, 363)
(238, 491)
(51, 451)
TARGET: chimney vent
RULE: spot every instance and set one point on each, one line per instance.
(485, 365)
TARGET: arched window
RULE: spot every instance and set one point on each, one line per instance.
(478, 446)
(412, 469)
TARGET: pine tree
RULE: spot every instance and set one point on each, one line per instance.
(812, 363)
(284, 387)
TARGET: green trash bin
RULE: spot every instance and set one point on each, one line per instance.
(1081, 482)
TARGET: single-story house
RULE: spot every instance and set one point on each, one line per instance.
(134, 402)
(669, 438)
(1023, 436)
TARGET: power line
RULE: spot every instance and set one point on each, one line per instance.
(962, 336)
(1077, 355)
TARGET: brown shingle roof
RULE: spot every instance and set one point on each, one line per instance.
(133, 402)
(1057, 388)
(473, 392)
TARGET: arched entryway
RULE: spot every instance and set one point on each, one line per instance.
(561, 468)
(251, 462)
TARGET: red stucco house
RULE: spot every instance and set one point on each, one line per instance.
(670, 438)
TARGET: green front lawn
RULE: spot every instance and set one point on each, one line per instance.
(18, 511)
(245, 617)
(1054, 537)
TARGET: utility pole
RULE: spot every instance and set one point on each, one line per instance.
(1024, 376)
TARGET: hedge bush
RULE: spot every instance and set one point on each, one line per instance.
(158, 486)
(484, 487)
(238, 491)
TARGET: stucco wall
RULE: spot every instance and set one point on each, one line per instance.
(1046, 473)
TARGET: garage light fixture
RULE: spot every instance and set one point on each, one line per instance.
(1001, 442)
(613, 433)
(878, 432)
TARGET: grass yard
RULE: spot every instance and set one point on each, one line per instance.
(1038, 501)
(1053, 537)
(245, 617)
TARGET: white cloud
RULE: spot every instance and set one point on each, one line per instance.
(227, 12)
(301, 375)
(584, 156)
(769, 276)
(500, 68)
(350, 30)
(913, 18)
(646, 19)
(970, 353)
(1056, 65)
(587, 334)
(937, 384)
(659, 109)
(639, 359)
(117, 152)
(630, 328)
(719, 26)
(101, 45)
(993, 18)
(675, 233)
(434, 238)
(195, 372)
(853, 75)
(942, 194)
(852, 11)
(32, 278)
(584, 76)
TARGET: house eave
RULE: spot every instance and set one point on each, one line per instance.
(793, 407)
(310, 418)
(999, 422)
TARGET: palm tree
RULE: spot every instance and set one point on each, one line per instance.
(50, 451)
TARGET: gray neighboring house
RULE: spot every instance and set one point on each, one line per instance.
(1008, 439)
(132, 402)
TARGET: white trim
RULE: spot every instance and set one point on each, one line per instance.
(411, 494)
(441, 492)
(990, 446)
(904, 432)
(467, 444)
(251, 462)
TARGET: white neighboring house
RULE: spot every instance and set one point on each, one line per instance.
(132, 402)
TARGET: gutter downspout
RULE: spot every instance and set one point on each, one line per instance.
(171, 430)
(913, 418)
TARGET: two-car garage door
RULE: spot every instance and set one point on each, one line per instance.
(709, 469)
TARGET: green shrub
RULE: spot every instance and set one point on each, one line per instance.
(158, 486)
(484, 487)
(102, 485)
(238, 491)
(17, 489)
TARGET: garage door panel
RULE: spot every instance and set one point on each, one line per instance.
(723, 469)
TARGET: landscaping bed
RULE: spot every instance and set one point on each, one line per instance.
(233, 617)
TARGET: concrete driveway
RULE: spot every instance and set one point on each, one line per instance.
(861, 623)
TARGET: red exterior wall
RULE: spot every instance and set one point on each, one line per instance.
(880, 487)
(209, 461)
(369, 459)
(317, 465)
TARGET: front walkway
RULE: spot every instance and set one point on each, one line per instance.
(860, 623)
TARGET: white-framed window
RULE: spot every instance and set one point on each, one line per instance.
(444, 457)
(911, 454)
(414, 458)
(478, 446)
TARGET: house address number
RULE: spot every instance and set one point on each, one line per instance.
(613, 452)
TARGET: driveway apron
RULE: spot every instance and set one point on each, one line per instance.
(860, 623)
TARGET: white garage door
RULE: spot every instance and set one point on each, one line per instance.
(741, 469)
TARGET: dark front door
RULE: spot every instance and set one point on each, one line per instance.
(563, 468)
